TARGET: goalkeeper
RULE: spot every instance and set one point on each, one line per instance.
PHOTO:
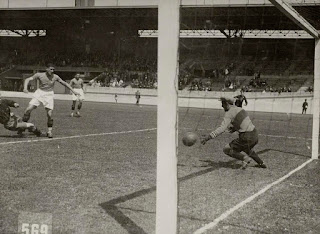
(14, 122)
(237, 119)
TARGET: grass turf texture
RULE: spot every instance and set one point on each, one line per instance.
(106, 183)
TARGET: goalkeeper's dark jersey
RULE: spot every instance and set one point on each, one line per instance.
(5, 105)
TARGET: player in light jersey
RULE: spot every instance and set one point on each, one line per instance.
(77, 84)
(44, 94)
(237, 119)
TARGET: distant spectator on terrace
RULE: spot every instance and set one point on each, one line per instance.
(309, 89)
(226, 72)
(114, 82)
(120, 83)
(257, 75)
(227, 83)
(155, 85)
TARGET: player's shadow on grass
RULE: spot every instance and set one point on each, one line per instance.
(13, 136)
(220, 164)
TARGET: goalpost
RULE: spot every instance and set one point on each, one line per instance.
(303, 23)
(316, 101)
(167, 126)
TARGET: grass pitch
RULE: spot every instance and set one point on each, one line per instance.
(98, 173)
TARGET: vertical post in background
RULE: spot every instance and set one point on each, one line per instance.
(316, 101)
(167, 122)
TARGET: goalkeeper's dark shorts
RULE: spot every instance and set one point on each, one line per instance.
(13, 122)
(245, 142)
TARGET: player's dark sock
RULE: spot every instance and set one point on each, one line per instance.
(255, 157)
(79, 106)
(262, 165)
(73, 105)
(35, 131)
(50, 123)
(26, 117)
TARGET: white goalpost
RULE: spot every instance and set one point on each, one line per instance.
(290, 12)
(316, 101)
(167, 123)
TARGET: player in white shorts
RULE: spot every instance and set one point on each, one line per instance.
(44, 94)
(77, 84)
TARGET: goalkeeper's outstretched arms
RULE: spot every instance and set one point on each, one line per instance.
(223, 127)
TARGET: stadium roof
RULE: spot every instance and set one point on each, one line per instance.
(205, 17)
(32, 4)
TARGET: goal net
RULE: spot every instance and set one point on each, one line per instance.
(267, 57)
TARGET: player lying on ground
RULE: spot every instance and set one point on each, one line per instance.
(237, 119)
(14, 122)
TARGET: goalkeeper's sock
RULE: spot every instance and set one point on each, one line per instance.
(255, 157)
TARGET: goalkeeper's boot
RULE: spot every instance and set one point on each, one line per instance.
(245, 163)
(72, 114)
(49, 134)
(262, 165)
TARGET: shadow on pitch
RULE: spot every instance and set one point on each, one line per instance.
(112, 208)
(16, 136)
(216, 165)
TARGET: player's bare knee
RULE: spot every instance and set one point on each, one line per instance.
(29, 109)
(49, 113)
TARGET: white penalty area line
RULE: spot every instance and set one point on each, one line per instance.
(289, 137)
(77, 136)
(249, 199)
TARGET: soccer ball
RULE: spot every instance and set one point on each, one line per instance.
(189, 139)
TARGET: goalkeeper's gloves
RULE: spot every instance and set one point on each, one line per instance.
(205, 138)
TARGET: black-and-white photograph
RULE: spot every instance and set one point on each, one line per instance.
(159, 116)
